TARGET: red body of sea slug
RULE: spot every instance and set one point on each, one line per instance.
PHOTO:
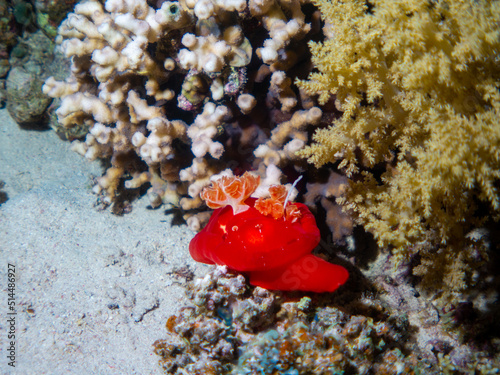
(263, 239)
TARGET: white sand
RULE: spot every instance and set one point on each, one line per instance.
(73, 263)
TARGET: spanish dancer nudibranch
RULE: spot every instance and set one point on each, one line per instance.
(268, 239)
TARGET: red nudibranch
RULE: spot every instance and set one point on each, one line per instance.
(263, 239)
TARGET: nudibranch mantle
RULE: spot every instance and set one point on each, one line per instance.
(263, 239)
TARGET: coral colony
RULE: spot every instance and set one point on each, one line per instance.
(265, 238)
(169, 92)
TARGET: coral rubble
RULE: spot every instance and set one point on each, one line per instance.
(19, 22)
(235, 330)
(25, 101)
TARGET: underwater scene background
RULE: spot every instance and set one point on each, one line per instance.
(378, 118)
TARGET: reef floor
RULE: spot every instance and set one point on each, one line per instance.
(92, 290)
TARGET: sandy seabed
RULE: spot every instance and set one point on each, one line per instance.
(92, 290)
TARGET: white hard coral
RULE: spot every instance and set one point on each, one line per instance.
(162, 91)
(204, 130)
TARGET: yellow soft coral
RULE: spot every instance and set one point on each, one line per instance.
(418, 83)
